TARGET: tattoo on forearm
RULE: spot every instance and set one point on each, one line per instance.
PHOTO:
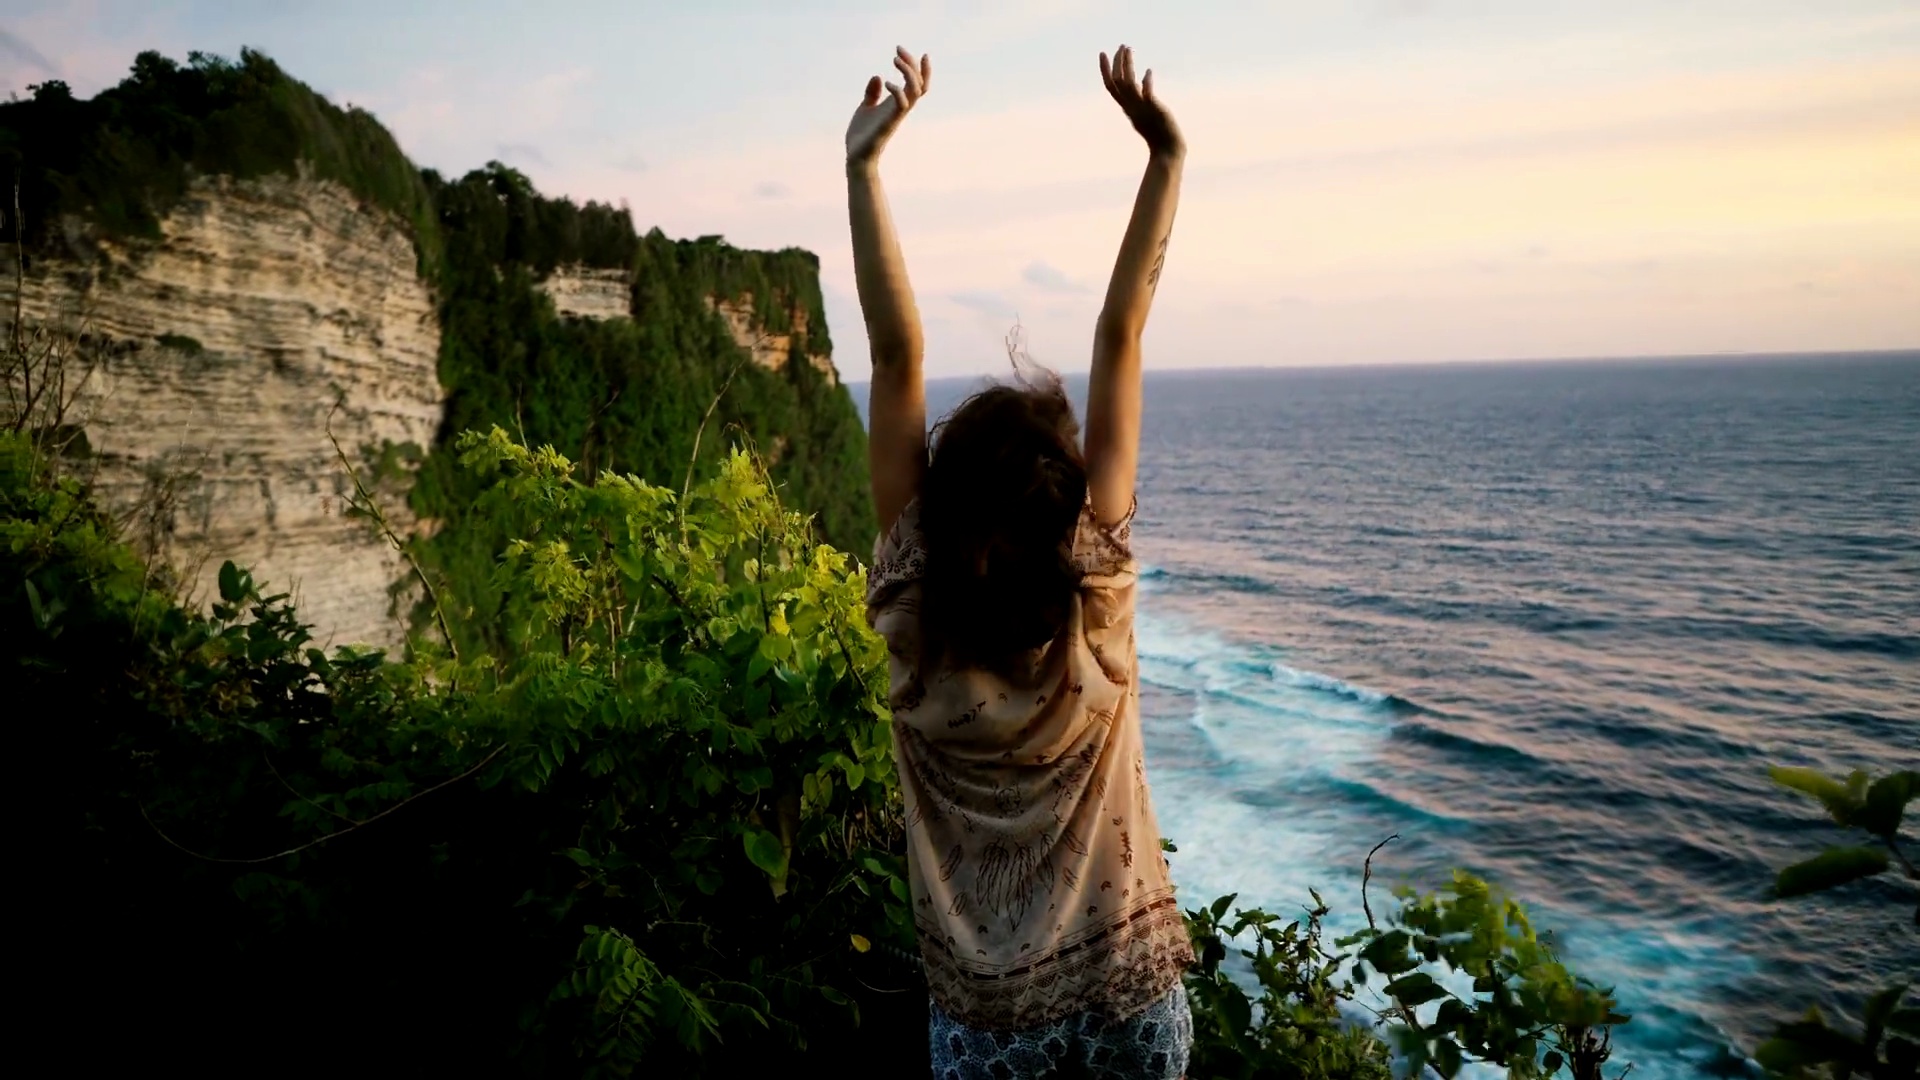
(1159, 261)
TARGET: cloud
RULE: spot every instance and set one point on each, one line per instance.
(630, 163)
(13, 45)
(524, 152)
(1050, 278)
(984, 302)
(771, 189)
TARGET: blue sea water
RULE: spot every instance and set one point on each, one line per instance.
(1549, 623)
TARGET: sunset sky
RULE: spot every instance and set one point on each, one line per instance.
(1384, 180)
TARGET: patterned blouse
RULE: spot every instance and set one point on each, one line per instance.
(1038, 885)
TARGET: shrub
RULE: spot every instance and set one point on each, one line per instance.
(1887, 1044)
(663, 829)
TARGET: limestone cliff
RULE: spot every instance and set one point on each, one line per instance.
(769, 350)
(219, 353)
(587, 293)
(248, 262)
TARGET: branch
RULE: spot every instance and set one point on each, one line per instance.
(1902, 857)
(317, 842)
(1367, 875)
(19, 263)
(304, 797)
(687, 484)
(380, 518)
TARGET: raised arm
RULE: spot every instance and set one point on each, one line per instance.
(1113, 390)
(897, 402)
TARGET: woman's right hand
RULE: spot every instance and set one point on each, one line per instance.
(1150, 118)
(877, 118)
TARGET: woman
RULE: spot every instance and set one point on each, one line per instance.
(1003, 585)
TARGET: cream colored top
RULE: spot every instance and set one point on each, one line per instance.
(1038, 884)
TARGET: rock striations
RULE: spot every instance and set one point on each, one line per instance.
(217, 356)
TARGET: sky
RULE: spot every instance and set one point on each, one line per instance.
(1367, 182)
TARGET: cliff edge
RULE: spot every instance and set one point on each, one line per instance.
(243, 267)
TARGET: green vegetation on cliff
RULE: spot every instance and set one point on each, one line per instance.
(618, 394)
(115, 163)
(629, 395)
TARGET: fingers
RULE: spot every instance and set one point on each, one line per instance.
(900, 98)
(1146, 86)
(1106, 73)
(872, 95)
(1126, 66)
(913, 75)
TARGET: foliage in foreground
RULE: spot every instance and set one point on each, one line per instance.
(1525, 1012)
(660, 827)
(1887, 1044)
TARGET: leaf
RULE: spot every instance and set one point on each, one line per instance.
(1415, 989)
(1780, 1055)
(765, 851)
(861, 944)
(758, 666)
(1236, 1010)
(1807, 1042)
(1221, 905)
(776, 647)
(1842, 803)
(1453, 1013)
(1833, 867)
(1879, 1009)
(1388, 953)
(1446, 1057)
(758, 778)
(33, 601)
(231, 588)
(1551, 1063)
(1887, 801)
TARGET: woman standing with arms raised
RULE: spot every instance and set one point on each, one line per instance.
(1003, 584)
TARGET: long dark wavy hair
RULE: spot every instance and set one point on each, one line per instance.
(999, 503)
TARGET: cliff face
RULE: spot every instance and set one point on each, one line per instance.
(218, 354)
(587, 293)
(769, 350)
(249, 263)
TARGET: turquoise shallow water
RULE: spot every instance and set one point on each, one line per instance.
(1550, 623)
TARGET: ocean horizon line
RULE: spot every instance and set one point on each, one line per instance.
(1641, 360)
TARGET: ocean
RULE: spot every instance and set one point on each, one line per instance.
(1549, 623)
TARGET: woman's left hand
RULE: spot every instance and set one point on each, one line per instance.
(1150, 118)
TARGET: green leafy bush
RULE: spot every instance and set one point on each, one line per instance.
(1295, 1027)
(698, 676)
(1525, 1012)
(654, 396)
(1887, 1044)
(663, 829)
